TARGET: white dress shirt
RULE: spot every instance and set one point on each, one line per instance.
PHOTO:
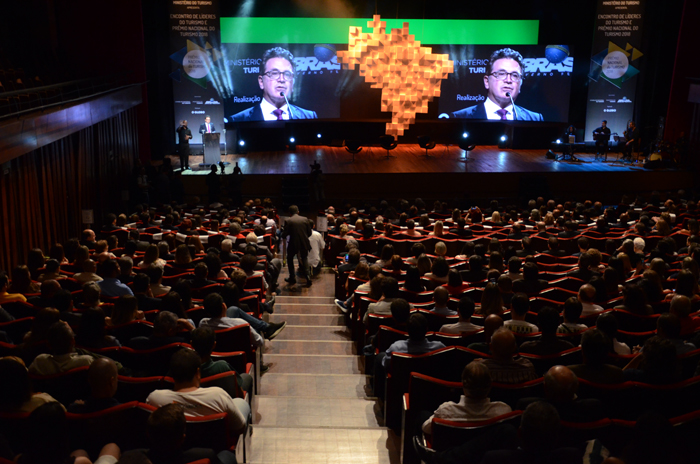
(267, 109)
(491, 109)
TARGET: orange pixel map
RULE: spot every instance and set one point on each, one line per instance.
(408, 74)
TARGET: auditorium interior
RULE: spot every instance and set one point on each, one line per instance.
(342, 349)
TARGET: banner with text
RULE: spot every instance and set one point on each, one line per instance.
(196, 61)
(615, 64)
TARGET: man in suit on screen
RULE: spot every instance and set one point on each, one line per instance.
(503, 84)
(207, 127)
(276, 81)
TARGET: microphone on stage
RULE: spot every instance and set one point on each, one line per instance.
(288, 107)
(515, 115)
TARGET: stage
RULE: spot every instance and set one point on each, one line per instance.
(448, 173)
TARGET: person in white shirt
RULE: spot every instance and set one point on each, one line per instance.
(572, 313)
(441, 296)
(215, 308)
(64, 357)
(199, 402)
(586, 295)
(466, 310)
(88, 274)
(520, 306)
(316, 251)
(607, 323)
(474, 404)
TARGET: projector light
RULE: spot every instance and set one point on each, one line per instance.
(242, 143)
(465, 135)
(558, 141)
(503, 138)
(292, 140)
(318, 136)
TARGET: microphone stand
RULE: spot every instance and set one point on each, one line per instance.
(288, 107)
(515, 114)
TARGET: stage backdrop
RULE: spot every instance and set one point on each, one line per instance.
(195, 58)
(321, 85)
(614, 65)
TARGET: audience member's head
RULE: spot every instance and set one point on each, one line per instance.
(595, 347)
(417, 327)
(476, 380)
(400, 311)
(503, 345)
(560, 385)
(102, 377)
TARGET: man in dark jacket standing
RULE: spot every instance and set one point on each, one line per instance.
(298, 230)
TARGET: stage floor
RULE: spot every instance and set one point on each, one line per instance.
(488, 173)
(409, 158)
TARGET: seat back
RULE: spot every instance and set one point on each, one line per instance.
(66, 387)
(512, 393)
(120, 424)
(446, 433)
(16, 329)
(126, 332)
(151, 362)
(235, 339)
(137, 388)
(226, 381)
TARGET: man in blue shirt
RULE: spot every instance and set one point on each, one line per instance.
(111, 285)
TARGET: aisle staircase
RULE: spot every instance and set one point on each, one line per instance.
(313, 404)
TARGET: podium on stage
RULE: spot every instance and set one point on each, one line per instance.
(212, 152)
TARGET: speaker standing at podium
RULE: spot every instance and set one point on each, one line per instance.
(210, 142)
(184, 135)
(207, 127)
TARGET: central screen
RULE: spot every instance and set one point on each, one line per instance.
(317, 86)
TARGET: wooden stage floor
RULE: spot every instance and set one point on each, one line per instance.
(409, 158)
(488, 173)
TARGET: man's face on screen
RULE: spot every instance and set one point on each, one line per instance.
(498, 88)
(273, 87)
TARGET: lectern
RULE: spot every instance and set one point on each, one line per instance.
(212, 152)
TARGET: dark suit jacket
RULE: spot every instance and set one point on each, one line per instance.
(203, 128)
(254, 113)
(298, 229)
(479, 112)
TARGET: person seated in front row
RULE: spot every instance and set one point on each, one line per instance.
(505, 365)
(474, 404)
(549, 343)
(63, 357)
(416, 343)
(560, 388)
(102, 377)
(390, 291)
(185, 371)
(572, 313)
(466, 311)
(166, 428)
(595, 349)
(203, 342)
(167, 329)
(16, 394)
(440, 297)
(520, 306)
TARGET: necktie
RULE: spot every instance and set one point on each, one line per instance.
(278, 112)
(208, 129)
(502, 113)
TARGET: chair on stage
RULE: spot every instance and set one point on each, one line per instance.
(388, 143)
(425, 141)
(353, 146)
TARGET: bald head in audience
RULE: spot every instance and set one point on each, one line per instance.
(586, 294)
(492, 323)
(503, 345)
(103, 376)
(560, 384)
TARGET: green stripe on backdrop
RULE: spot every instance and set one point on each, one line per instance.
(335, 30)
